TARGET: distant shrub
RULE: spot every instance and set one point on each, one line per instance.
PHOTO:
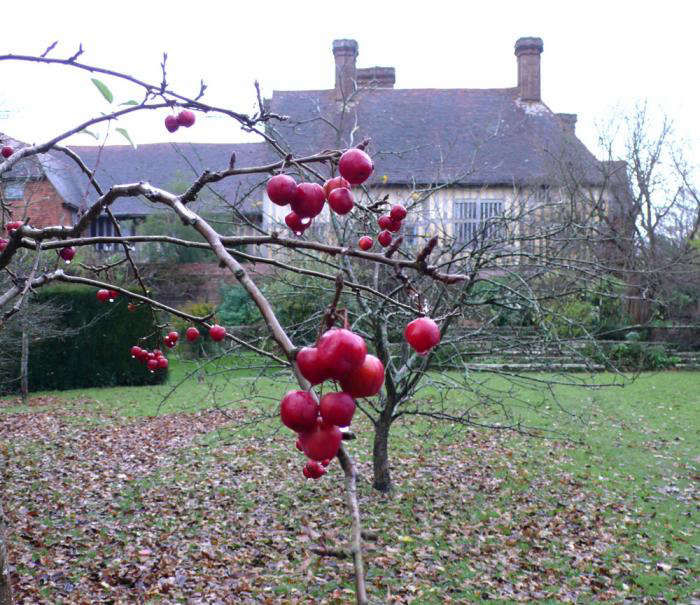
(237, 308)
(204, 346)
(96, 353)
(633, 355)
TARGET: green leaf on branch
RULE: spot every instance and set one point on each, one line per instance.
(102, 87)
(92, 134)
(129, 102)
(125, 134)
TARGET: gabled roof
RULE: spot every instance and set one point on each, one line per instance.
(26, 169)
(428, 136)
(172, 166)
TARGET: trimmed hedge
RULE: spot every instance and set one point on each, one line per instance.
(97, 355)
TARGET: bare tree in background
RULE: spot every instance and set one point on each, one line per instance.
(649, 165)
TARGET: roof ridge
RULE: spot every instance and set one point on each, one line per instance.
(392, 90)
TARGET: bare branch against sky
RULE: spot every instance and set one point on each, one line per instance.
(602, 55)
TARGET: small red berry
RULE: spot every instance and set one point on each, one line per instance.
(152, 364)
(13, 226)
(299, 411)
(113, 294)
(394, 225)
(191, 334)
(365, 380)
(297, 224)
(398, 212)
(309, 200)
(356, 166)
(185, 118)
(422, 334)
(162, 363)
(135, 352)
(281, 189)
(103, 295)
(365, 242)
(310, 366)
(171, 123)
(6, 151)
(169, 343)
(313, 470)
(384, 238)
(67, 254)
(384, 221)
(340, 351)
(322, 442)
(341, 200)
(173, 336)
(337, 408)
(217, 333)
(335, 183)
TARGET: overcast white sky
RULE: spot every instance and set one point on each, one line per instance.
(597, 55)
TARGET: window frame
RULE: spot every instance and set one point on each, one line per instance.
(471, 216)
(13, 184)
(102, 226)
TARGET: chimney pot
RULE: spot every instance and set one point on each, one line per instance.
(376, 77)
(528, 51)
(345, 54)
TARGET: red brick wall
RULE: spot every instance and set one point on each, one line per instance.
(42, 204)
(178, 285)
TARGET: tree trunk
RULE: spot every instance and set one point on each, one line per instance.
(380, 455)
(24, 365)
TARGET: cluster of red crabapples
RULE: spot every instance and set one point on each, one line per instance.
(216, 332)
(154, 360)
(184, 118)
(340, 355)
(308, 199)
(388, 223)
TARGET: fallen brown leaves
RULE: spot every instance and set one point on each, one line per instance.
(105, 510)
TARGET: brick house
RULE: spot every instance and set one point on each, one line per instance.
(481, 151)
(50, 189)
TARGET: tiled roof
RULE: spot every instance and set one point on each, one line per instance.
(27, 168)
(418, 136)
(425, 136)
(172, 166)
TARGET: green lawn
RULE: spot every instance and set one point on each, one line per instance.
(124, 494)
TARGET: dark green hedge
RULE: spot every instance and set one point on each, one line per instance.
(98, 354)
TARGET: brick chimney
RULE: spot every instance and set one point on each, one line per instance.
(345, 54)
(528, 51)
(568, 122)
(376, 77)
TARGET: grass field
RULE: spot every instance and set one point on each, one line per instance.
(114, 495)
